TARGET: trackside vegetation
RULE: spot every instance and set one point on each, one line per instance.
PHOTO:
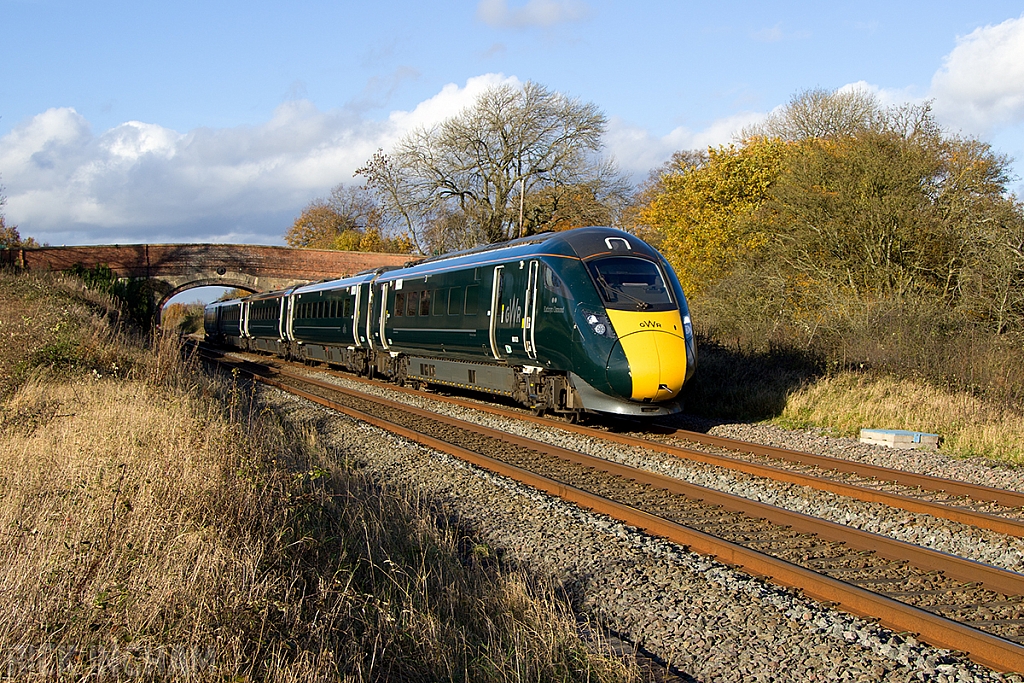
(842, 251)
(160, 524)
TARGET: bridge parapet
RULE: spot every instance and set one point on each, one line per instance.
(174, 268)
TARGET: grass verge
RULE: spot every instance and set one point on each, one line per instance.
(795, 391)
(161, 525)
(847, 402)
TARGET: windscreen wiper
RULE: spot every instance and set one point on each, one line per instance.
(641, 305)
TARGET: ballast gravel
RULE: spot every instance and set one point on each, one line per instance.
(708, 620)
(944, 535)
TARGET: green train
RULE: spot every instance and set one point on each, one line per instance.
(586, 320)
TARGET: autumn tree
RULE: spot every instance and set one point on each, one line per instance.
(840, 214)
(349, 220)
(472, 178)
(703, 204)
(901, 212)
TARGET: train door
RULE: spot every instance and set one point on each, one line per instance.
(369, 315)
(529, 322)
(511, 295)
(383, 319)
(243, 324)
(282, 317)
(356, 292)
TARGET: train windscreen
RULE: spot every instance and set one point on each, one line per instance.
(631, 284)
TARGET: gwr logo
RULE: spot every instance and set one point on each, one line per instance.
(650, 323)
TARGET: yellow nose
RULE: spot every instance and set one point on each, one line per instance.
(655, 349)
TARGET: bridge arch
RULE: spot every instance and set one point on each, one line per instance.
(230, 283)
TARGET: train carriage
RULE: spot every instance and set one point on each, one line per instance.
(590, 318)
(264, 318)
(330, 322)
(222, 322)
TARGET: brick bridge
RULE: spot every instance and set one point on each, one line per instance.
(174, 268)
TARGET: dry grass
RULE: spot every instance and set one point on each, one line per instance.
(847, 402)
(158, 524)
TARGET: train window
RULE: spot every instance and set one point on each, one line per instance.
(553, 284)
(472, 299)
(334, 308)
(630, 283)
(413, 301)
(347, 310)
(425, 302)
(455, 301)
(399, 303)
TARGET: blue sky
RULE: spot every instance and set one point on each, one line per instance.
(218, 121)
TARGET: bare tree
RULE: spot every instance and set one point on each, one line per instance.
(819, 113)
(477, 171)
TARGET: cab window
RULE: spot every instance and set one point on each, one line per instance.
(631, 284)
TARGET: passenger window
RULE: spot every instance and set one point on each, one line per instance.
(399, 303)
(455, 301)
(472, 299)
(440, 302)
(347, 310)
(425, 303)
(553, 284)
(413, 303)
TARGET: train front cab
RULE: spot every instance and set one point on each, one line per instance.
(633, 345)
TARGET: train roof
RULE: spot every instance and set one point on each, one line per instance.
(340, 283)
(579, 243)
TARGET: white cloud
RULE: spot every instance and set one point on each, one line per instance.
(534, 13)
(143, 182)
(980, 86)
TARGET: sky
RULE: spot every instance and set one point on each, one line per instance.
(218, 121)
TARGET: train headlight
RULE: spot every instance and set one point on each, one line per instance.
(600, 325)
(687, 328)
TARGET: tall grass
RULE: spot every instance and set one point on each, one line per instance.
(847, 402)
(160, 524)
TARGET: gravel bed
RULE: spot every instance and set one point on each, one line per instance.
(939, 534)
(709, 620)
(934, 463)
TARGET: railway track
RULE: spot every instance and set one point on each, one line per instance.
(950, 602)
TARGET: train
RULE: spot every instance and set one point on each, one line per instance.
(589, 320)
